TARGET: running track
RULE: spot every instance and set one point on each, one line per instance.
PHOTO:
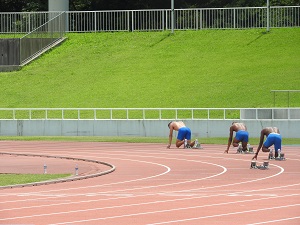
(152, 185)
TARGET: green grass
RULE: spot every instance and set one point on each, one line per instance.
(207, 68)
(13, 179)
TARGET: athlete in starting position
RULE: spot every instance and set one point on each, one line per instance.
(183, 133)
(273, 137)
(242, 135)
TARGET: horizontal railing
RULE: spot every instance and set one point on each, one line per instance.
(149, 113)
(158, 19)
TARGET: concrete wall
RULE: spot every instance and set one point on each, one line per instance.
(31, 46)
(9, 51)
(10, 55)
(139, 128)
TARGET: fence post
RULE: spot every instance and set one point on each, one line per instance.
(197, 19)
(132, 21)
(95, 17)
(268, 15)
(234, 18)
(163, 20)
(172, 15)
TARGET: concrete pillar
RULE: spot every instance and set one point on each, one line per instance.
(59, 6)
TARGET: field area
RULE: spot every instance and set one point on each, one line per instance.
(190, 69)
(207, 68)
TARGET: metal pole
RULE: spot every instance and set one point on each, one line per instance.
(268, 15)
(172, 15)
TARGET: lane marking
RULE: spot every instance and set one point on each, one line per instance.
(275, 221)
(225, 214)
(139, 204)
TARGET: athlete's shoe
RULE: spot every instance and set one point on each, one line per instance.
(187, 146)
(197, 146)
(240, 149)
(185, 143)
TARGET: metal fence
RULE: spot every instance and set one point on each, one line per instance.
(22, 22)
(42, 37)
(157, 20)
(149, 113)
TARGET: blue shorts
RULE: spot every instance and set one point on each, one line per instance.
(242, 135)
(273, 139)
(184, 133)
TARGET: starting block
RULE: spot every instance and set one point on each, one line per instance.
(240, 151)
(279, 158)
(250, 148)
(248, 151)
(197, 146)
(264, 166)
(271, 155)
(253, 165)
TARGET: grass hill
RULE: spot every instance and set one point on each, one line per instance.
(206, 68)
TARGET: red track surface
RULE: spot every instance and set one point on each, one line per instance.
(152, 185)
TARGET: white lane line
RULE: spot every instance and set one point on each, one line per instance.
(131, 189)
(168, 185)
(241, 193)
(171, 184)
(85, 187)
(275, 221)
(236, 194)
(276, 187)
(162, 211)
(116, 194)
(225, 214)
(139, 204)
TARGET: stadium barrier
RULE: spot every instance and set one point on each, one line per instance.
(149, 122)
(139, 128)
(158, 19)
(149, 113)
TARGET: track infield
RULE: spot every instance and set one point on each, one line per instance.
(151, 185)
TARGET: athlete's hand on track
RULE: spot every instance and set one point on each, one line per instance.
(254, 157)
